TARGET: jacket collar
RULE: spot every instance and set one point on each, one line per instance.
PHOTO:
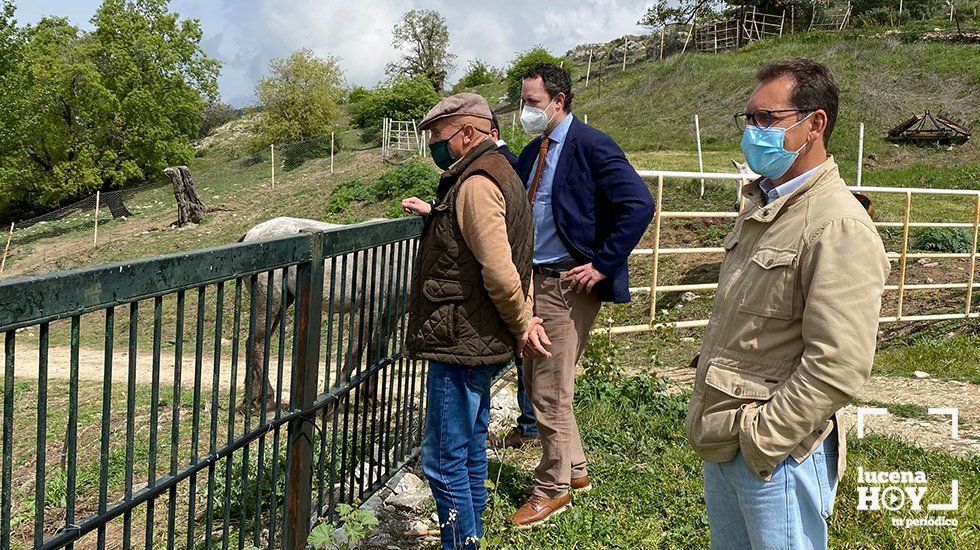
(449, 177)
(825, 174)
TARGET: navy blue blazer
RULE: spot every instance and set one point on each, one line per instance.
(600, 204)
(511, 157)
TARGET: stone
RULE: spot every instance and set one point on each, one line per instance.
(921, 374)
(420, 526)
(689, 296)
(373, 504)
(409, 482)
(410, 500)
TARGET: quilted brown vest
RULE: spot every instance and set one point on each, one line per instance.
(453, 320)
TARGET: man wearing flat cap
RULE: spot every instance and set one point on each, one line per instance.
(470, 305)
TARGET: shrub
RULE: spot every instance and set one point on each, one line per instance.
(943, 239)
(601, 359)
(216, 114)
(524, 61)
(403, 98)
(415, 178)
(477, 74)
(347, 192)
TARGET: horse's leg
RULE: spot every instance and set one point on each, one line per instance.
(256, 381)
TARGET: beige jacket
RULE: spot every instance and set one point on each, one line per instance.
(792, 334)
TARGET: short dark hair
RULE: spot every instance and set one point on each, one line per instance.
(494, 123)
(556, 81)
(814, 86)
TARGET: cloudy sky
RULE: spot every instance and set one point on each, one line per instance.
(246, 34)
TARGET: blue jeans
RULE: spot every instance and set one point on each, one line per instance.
(527, 425)
(789, 511)
(454, 449)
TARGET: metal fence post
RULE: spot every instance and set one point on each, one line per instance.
(303, 390)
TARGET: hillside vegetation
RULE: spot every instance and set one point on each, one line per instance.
(648, 109)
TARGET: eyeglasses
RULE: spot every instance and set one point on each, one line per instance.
(764, 118)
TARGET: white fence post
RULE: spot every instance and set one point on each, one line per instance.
(6, 249)
(588, 69)
(626, 44)
(384, 138)
(860, 152)
(272, 152)
(586, 119)
(697, 132)
(331, 152)
(95, 235)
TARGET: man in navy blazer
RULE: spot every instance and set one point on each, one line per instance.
(590, 210)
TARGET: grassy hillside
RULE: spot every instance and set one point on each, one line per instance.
(651, 106)
(648, 109)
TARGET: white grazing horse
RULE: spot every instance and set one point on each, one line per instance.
(351, 296)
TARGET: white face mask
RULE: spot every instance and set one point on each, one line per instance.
(535, 120)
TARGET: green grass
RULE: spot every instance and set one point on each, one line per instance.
(953, 358)
(903, 410)
(649, 493)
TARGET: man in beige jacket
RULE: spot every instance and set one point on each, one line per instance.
(792, 334)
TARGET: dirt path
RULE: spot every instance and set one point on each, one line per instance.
(91, 367)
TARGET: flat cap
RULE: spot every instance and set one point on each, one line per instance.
(464, 104)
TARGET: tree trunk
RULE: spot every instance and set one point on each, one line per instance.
(190, 209)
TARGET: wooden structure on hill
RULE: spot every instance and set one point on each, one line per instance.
(830, 17)
(929, 128)
(731, 34)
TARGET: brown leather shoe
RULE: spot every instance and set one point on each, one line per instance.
(583, 483)
(538, 510)
(516, 440)
(579, 484)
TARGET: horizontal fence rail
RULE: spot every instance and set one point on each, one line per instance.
(655, 252)
(227, 397)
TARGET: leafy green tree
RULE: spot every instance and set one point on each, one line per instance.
(104, 108)
(478, 73)
(300, 97)
(403, 98)
(425, 34)
(14, 114)
(524, 61)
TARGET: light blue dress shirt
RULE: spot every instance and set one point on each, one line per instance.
(548, 248)
(772, 193)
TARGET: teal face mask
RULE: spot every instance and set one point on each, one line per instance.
(441, 155)
(440, 152)
(764, 151)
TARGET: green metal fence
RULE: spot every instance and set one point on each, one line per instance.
(225, 427)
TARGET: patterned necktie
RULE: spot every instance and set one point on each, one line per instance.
(542, 153)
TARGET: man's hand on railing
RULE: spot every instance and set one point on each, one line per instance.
(535, 343)
(415, 205)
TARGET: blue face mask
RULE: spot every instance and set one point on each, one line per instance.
(764, 151)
